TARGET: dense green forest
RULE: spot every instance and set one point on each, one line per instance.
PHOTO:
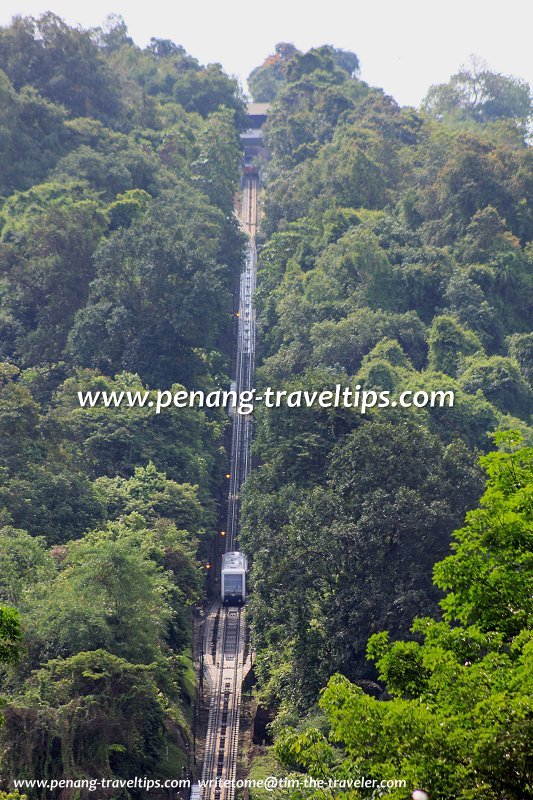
(117, 242)
(395, 252)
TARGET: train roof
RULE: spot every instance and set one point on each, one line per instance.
(233, 560)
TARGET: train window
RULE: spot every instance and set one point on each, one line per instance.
(232, 584)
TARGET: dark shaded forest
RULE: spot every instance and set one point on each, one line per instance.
(395, 253)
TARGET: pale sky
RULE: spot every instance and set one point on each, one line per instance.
(404, 46)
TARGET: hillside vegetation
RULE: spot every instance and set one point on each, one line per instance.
(117, 243)
(395, 254)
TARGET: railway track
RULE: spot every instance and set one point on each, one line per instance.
(224, 664)
(221, 746)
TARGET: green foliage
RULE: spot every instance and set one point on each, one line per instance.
(500, 380)
(448, 341)
(341, 174)
(57, 505)
(41, 490)
(150, 493)
(390, 351)
(488, 577)
(286, 63)
(521, 349)
(394, 254)
(42, 289)
(266, 80)
(156, 283)
(332, 546)
(347, 342)
(165, 72)
(24, 562)
(62, 63)
(183, 443)
(217, 165)
(10, 634)
(32, 136)
(117, 243)
(458, 718)
(127, 207)
(93, 712)
(471, 418)
(111, 169)
(481, 95)
(476, 174)
(204, 91)
(22, 210)
(108, 595)
(395, 251)
(486, 236)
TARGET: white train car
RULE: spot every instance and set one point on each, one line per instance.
(196, 792)
(233, 578)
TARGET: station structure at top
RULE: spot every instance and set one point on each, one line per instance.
(251, 138)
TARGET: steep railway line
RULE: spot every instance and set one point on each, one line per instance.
(224, 667)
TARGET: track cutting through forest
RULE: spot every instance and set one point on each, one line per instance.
(224, 662)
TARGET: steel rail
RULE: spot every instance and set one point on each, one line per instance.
(222, 737)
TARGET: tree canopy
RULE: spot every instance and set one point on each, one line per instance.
(477, 93)
(394, 253)
(119, 252)
(458, 716)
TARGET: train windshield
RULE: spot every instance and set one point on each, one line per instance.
(233, 584)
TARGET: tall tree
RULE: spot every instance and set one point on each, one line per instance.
(480, 94)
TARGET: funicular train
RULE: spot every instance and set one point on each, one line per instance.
(233, 578)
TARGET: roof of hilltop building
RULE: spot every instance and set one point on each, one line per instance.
(258, 109)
